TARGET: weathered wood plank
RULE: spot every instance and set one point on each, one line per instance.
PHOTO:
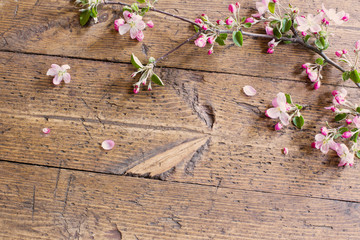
(55, 24)
(244, 151)
(44, 203)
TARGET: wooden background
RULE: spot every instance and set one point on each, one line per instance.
(196, 159)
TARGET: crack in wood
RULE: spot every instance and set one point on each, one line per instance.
(189, 168)
(67, 192)
(33, 204)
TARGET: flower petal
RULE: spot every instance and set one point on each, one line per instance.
(134, 32)
(52, 72)
(249, 91)
(284, 118)
(124, 29)
(67, 77)
(57, 80)
(108, 144)
(65, 67)
(273, 113)
(126, 16)
(319, 137)
(324, 148)
(57, 67)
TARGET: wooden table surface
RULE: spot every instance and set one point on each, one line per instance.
(195, 159)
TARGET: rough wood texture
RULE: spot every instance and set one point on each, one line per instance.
(224, 176)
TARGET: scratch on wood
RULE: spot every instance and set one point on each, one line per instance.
(251, 108)
(189, 168)
(57, 180)
(67, 192)
(16, 10)
(86, 127)
(33, 204)
(144, 49)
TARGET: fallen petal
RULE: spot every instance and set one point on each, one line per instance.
(46, 130)
(108, 144)
(249, 91)
(285, 151)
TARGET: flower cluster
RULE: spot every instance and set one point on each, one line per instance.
(348, 133)
(344, 56)
(133, 20)
(146, 72)
(314, 71)
(285, 110)
(88, 9)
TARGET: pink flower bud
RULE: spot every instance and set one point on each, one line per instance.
(144, 83)
(150, 24)
(266, 114)
(275, 1)
(133, 74)
(269, 30)
(220, 22)
(313, 76)
(130, 15)
(313, 144)
(237, 4)
(305, 65)
(249, 20)
(346, 134)
(317, 85)
(303, 33)
(338, 53)
(201, 41)
(339, 99)
(285, 151)
(270, 51)
(232, 8)
(229, 21)
(136, 90)
(140, 36)
(211, 40)
(204, 27)
(344, 51)
(324, 131)
(335, 92)
(118, 22)
(149, 89)
(210, 51)
(204, 15)
(357, 45)
(348, 121)
(346, 17)
(333, 109)
(278, 126)
(198, 21)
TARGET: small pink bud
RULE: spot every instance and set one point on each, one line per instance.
(232, 8)
(324, 131)
(344, 51)
(150, 24)
(136, 90)
(275, 1)
(249, 20)
(210, 52)
(313, 144)
(346, 134)
(130, 15)
(285, 151)
(118, 22)
(269, 30)
(338, 53)
(339, 99)
(204, 15)
(335, 92)
(278, 126)
(140, 36)
(211, 40)
(149, 89)
(144, 83)
(266, 114)
(348, 121)
(134, 74)
(305, 65)
(357, 45)
(345, 18)
(220, 22)
(303, 33)
(136, 86)
(204, 27)
(198, 21)
(229, 21)
(270, 51)
(333, 109)
(46, 130)
(237, 4)
(317, 85)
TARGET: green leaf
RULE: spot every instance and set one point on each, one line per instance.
(126, 8)
(354, 75)
(151, 59)
(358, 154)
(136, 62)
(354, 129)
(223, 36)
(141, 1)
(346, 75)
(343, 129)
(238, 38)
(272, 7)
(196, 28)
(93, 12)
(155, 78)
(135, 7)
(355, 137)
(247, 25)
(358, 109)
(288, 98)
(299, 106)
(220, 41)
(340, 117)
(337, 136)
(288, 42)
(243, 19)
(84, 17)
(307, 37)
(319, 61)
(322, 43)
(277, 33)
(145, 10)
(299, 121)
(286, 25)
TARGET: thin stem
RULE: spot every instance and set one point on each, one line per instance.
(176, 48)
(296, 39)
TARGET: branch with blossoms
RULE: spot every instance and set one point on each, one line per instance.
(282, 24)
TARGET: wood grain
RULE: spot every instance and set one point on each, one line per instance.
(49, 20)
(46, 203)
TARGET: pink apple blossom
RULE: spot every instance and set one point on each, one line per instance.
(250, 20)
(270, 51)
(346, 157)
(118, 22)
(269, 31)
(344, 51)
(347, 134)
(339, 53)
(280, 109)
(59, 73)
(229, 21)
(211, 40)
(324, 131)
(134, 23)
(150, 24)
(211, 51)
(324, 143)
(262, 7)
(337, 18)
(232, 8)
(311, 23)
(140, 36)
(46, 130)
(201, 41)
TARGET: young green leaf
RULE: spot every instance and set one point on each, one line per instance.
(354, 75)
(286, 25)
(288, 98)
(355, 137)
(135, 7)
(321, 43)
(319, 61)
(272, 7)
(299, 121)
(223, 36)
(299, 106)
(307, 37)
(196, 28)
(238, 38)
(84, 17)
(220, 41)
(136, 62)
(346, 75)
(127, 8)
(277, 33)
(247, 25)
(340, 117)
(155, 79)
(358, 154)
(358, 109)
(141, 1)
(145, 10)
(343, 129)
